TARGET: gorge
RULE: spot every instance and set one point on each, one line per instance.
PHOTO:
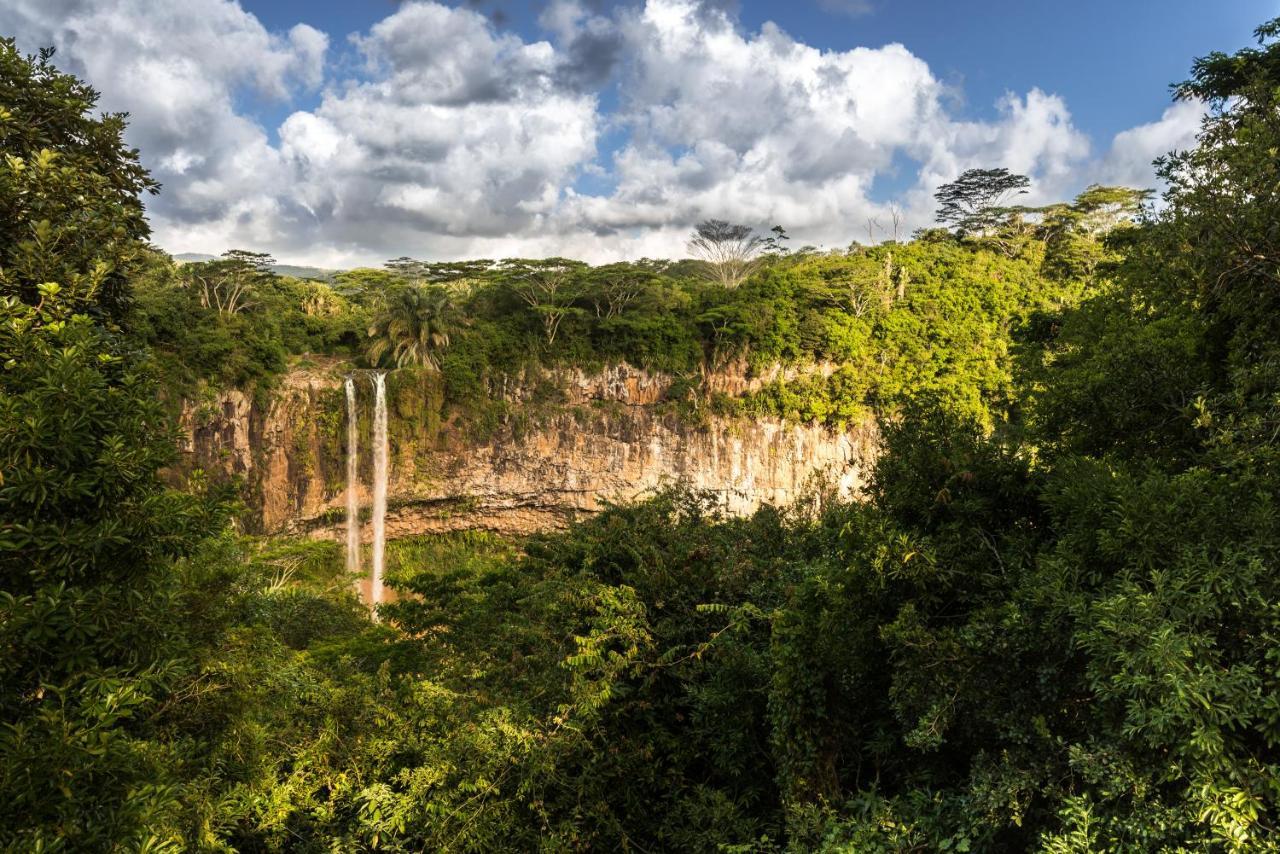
(570, 442)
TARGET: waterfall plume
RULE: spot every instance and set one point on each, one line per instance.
(379, 484)
(353, 480)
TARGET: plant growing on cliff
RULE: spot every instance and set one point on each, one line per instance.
(413, 327)
(549, 287)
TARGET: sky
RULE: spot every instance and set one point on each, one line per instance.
(343, 134)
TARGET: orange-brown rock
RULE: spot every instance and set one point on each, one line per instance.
(606, 438)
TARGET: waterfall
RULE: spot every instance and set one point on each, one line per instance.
(353, 481)
(379, 483)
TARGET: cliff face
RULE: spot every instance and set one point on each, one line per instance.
(548, 451)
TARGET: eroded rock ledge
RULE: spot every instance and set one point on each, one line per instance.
(607, 436)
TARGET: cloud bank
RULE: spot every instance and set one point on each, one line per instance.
(436, 135)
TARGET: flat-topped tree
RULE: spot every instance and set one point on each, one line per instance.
(976, 202)
(613, 287)
(413, 270)
(730, 253)
(228, 284)
(549, 286)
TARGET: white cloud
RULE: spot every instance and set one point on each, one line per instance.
(449, 138)
(461, 133)
(1128, 162)
(764, 129)
(178, 70)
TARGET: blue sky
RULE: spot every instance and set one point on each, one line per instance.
(341, 133)
(1112, 60)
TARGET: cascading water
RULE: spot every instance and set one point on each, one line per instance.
(379, 483)
(353, 480)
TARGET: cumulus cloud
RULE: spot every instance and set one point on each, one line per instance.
(765, 129)
(1128, 162)
(459, 133)
(178, 69)
(446, 137)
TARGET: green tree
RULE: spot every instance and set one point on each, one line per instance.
(548, 286)
(1075, 234)
(70, 206)
(230, 284)
(729, 253)
(413, 326)
(90, 646)
(91, 642)
(613, 287)
(975, 203)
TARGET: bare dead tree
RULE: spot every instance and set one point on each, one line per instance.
(896, 215)
(859, 299)
(730, 253)
(873, 225)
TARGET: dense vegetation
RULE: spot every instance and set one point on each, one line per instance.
(1053, 625)
(931, 316)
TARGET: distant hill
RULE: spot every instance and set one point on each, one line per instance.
(304, 272)
(298, 272)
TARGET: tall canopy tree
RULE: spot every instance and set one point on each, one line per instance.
(549, 286)
(613, 287)
(90, 637)
(413, 270)
(70, 189)
(729, 253)
(228, 285)
(975, 202)
(1074, 234)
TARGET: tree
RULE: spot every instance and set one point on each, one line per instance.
(1074, 233)
(896, 216)
(91, 644)
(974, 202)
(412, 270)
(775, 243)
(70, 210)
(413, 327)
(548, 286)
(873, 225)
(730, 253)
(615, 286)
(227, 285)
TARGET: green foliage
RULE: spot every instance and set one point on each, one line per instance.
(412, 327)
(279, 317)
(1076, 234)
(70, 211)
(1051, 626)
(930, 318)
(975, 203)
(91, 646)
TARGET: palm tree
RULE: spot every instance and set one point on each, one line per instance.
(413, 327)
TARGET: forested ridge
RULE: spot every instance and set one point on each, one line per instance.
(1053, 624)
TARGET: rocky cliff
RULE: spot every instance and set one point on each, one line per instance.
(545, 451)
